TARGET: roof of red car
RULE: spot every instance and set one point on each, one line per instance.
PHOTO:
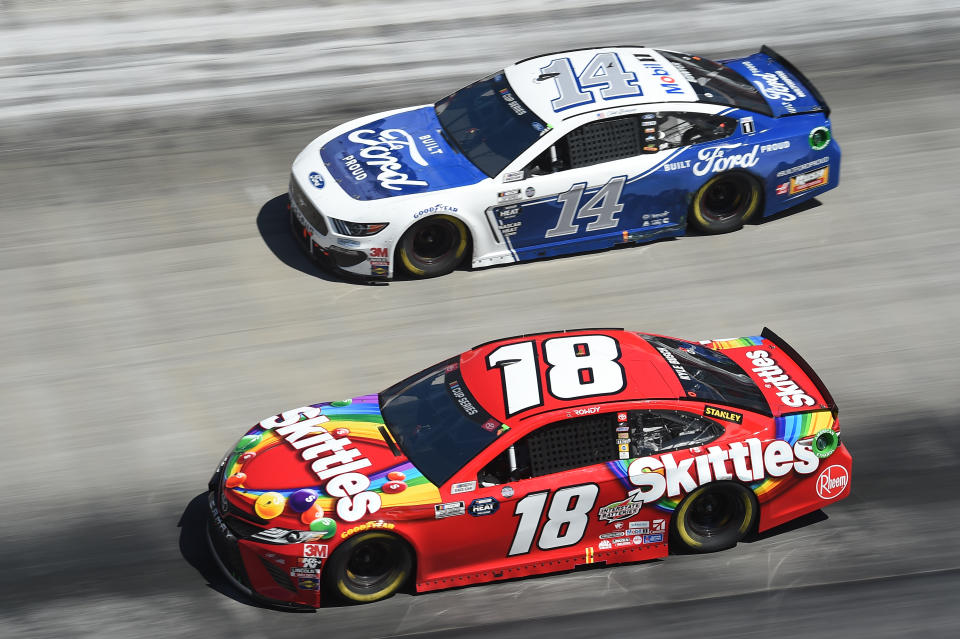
(498, 376)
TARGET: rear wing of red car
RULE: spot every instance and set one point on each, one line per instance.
(787, 381)
(786, 89)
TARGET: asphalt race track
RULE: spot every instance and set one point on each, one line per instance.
(154, 306)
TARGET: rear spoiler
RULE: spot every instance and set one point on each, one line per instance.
(799, 75)
(766, 333)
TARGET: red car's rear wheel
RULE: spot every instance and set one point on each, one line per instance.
(714, 517)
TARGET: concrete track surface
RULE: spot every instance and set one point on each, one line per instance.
(154, 306)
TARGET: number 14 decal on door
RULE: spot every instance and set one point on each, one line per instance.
(577, 367)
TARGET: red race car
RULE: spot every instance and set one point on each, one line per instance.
(527, 455)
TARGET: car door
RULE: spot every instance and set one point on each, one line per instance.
(535, 504)
(575, 194)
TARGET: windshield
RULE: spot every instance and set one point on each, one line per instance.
(489, 124)
(718, 84)
(436, 422)
(709, 375)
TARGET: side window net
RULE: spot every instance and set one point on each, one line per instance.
(604, 141)
(659, 431)
(683, 129)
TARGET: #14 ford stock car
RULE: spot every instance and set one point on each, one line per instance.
(527, 455)
(563, 153)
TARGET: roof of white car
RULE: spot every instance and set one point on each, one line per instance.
(559, 85)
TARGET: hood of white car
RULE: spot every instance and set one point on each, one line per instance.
(399, 154)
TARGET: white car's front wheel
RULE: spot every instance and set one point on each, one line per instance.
(433, 246)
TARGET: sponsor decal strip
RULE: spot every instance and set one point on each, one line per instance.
(764, 468)
(737, 342)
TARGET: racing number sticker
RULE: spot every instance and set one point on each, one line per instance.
(604, 70)
(578, 366)
(566, 522)
(603, 207)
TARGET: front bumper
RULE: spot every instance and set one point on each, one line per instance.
(350, 257)
(259, 573)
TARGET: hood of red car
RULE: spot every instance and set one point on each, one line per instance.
(332, 460)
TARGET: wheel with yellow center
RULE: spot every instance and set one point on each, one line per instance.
(714, 517)
(369, 566)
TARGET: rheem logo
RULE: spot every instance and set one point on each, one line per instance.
(832, 481)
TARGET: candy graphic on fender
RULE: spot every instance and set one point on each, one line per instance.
(324, 525)
(311, 514)
(303, 499)
(269, 505)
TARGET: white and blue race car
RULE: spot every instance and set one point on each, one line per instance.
(564, 153)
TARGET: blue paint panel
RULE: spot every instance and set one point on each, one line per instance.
(783, 91)
(401, 154)
(776, 155)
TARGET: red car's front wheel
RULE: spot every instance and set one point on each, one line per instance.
(368, 567)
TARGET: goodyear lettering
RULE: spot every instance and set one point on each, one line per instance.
(370, 525)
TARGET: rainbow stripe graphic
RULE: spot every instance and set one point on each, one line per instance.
(791, 429)
(361, 417)
(739, 342)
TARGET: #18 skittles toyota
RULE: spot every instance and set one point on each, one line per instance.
(564, 153)
(527, 455)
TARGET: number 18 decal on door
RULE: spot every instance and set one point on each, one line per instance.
(577, 367)
(567, 518)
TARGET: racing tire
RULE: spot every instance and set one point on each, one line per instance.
(368, 567)
(433, 246)
(725, 202)
(714, 517)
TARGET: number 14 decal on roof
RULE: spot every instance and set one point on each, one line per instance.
(577, 367)
(604, 70)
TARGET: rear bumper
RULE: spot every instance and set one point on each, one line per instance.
(815, 491)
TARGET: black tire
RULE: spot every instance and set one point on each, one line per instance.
(725, 202)
(714, 517)
(433, 246)
(368, 567)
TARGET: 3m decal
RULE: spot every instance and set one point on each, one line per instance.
(605, 71)
(315, 550)
(722, 413)
(578, 366)
(565, 523)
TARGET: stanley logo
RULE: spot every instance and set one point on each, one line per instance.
(722, 413)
